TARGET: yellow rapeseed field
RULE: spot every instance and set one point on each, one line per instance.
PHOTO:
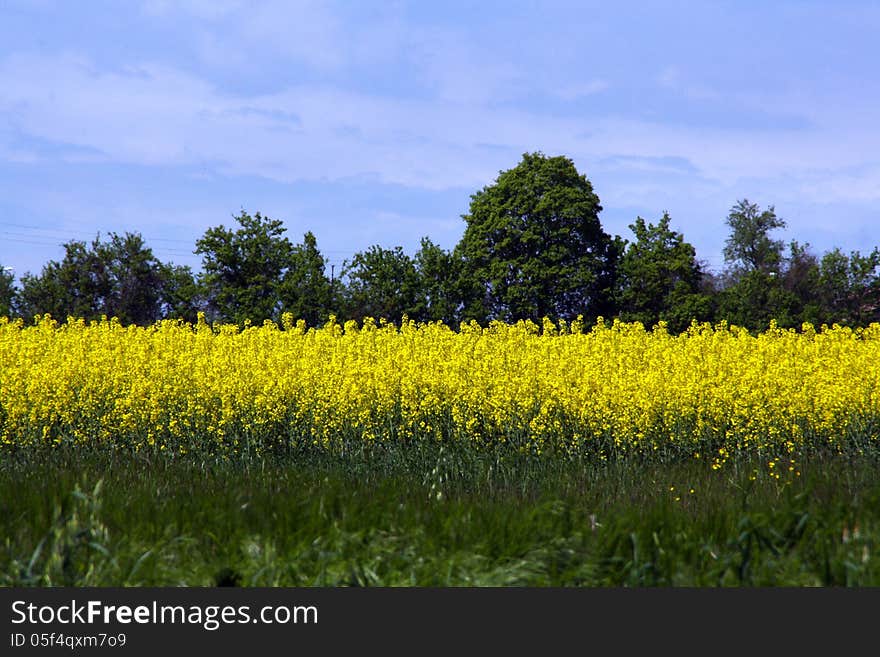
(613, 388)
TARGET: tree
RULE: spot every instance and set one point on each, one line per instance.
(182, 296)
(305, 289)
(749, 247)
(535, 240)
(660, 278)
(8, 292)
(445, 292)
(77, 286)
(118, 278)
(753, 294)
(382, 284)
(849, 287)
(800, 279)
(135, 279)
(243, 269)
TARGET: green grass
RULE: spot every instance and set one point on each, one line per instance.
(428, 516)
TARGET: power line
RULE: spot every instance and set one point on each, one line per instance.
(35, 243)
(54, 233)
(60, 234)
(37, 240)
(42, 236)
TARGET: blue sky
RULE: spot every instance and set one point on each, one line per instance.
(373, 122)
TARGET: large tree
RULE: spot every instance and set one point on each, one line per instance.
(182, 296)
(305, 289)
(8, 292)
(135, 277)
(753, 293)
(381, 284)
(749, 246)
(800, 281)
(849, 287)
(534, 239)
(660, 278)
(77, 286)
(118, 278)
(242, 269)
(446, 292)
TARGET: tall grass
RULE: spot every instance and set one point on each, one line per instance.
(434, 515)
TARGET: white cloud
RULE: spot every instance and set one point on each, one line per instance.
(669, 76)
(237, 35)
(458, 71)
(156, 115)
(574, 91)
(862, 186)
(308, 31)
(852, 184)
(203, 9)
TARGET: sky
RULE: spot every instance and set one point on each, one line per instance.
(374, 122)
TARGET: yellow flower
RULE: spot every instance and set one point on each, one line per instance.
(542, 388)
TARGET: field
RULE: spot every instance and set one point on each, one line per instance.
(423, 456)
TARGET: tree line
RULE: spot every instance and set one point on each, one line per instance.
(533, 247)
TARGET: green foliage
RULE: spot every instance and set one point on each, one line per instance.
(254, 273)
(660, 279)
(763, 284)
(305, 289)
(8, 292)
(446, 292)
(753, 293)
(182, 297)
(534, 239)
(433, 516)
(135, 279)
(75, 286)
(533, 247)
(749, 246)
(800, 279)
(117, 278)
(75, 551)
(242, 269)
(382, 284)
(756, 299)
(849, 287)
